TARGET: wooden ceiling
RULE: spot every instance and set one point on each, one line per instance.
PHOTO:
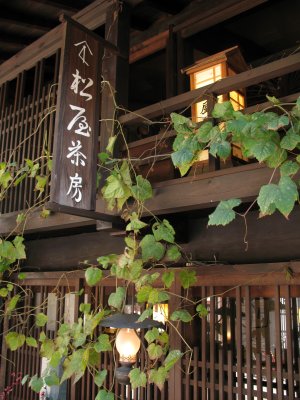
(23, 21)
(211, 25)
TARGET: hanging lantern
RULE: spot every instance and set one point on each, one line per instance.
(127, 341)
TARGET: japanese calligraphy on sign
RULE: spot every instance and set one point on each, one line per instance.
(73, 180)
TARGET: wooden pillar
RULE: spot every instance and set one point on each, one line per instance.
(171, 64)
(175, 376)
(3, 361)
(115, 68)
(184, 58)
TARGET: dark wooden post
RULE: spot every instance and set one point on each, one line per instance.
(171, 64)
(115, 68)
(184, 58)
(175, 376)
(213, 162)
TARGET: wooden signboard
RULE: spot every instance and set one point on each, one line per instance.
(73, 180)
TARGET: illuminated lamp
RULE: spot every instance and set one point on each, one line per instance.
(209, 70)
(127, 341)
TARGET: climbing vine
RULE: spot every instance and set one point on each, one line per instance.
(268, 137)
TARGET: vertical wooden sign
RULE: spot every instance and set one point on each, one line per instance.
(73, 179)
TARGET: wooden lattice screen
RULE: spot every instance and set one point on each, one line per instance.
(246, 348)
(24, 102)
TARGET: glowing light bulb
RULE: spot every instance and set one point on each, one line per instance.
(128, 344)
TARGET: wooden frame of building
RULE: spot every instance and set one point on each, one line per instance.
(261, 357)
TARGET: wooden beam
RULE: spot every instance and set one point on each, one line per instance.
(70, 250)
(217, 13)
(65, 5)
(198, 192)
(91, 17)
(148, 47)
(242, 80)
(270, 239)
(197, 13)
(35, 223)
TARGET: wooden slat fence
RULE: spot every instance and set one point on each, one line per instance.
(27, 107)
(247, 347)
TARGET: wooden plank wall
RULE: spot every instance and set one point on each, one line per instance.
(27, 125)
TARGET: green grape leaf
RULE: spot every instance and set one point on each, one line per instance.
(182, 157)
(187, 278)
(273, 100)
(202, 311)
(47, 348)
(290, 140)
(203, 134)
(154, 351)
(103, 157)
(152, 335)
(55, 359)
(30, 341)
(224, 213)
(20, 218)
(157, 296)
(182, 124)
(41, 319)
(168, 278)
(262, 149)
(45, 213)
(289, 168)
(104, 395)
(267, 199)
(24, 379)
(172, 359)
(36, 383)
(288, 195)
(14, 340)
(12, 303)
(85, 308)
(19, 247)
(116, 299)
(5, 178)
(181, 315)
(142, 295)
(103, 343)
(158, 376)
(220, 148)
(74, 364)
(173, 253)
(40, 183)
(223, 110)
(135, 224)
(145, 314)
(3, 292)
(52, 379)
(137, 378)
(93, 275)
(277, 122)
(151, 249)
(281, 196)
(100, 377)
(142, 191)
(111, 144)
(163, 231)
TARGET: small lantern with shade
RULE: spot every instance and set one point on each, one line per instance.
(127, 341)
(209, 70)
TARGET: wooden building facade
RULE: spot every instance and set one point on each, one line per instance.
(248, 346)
